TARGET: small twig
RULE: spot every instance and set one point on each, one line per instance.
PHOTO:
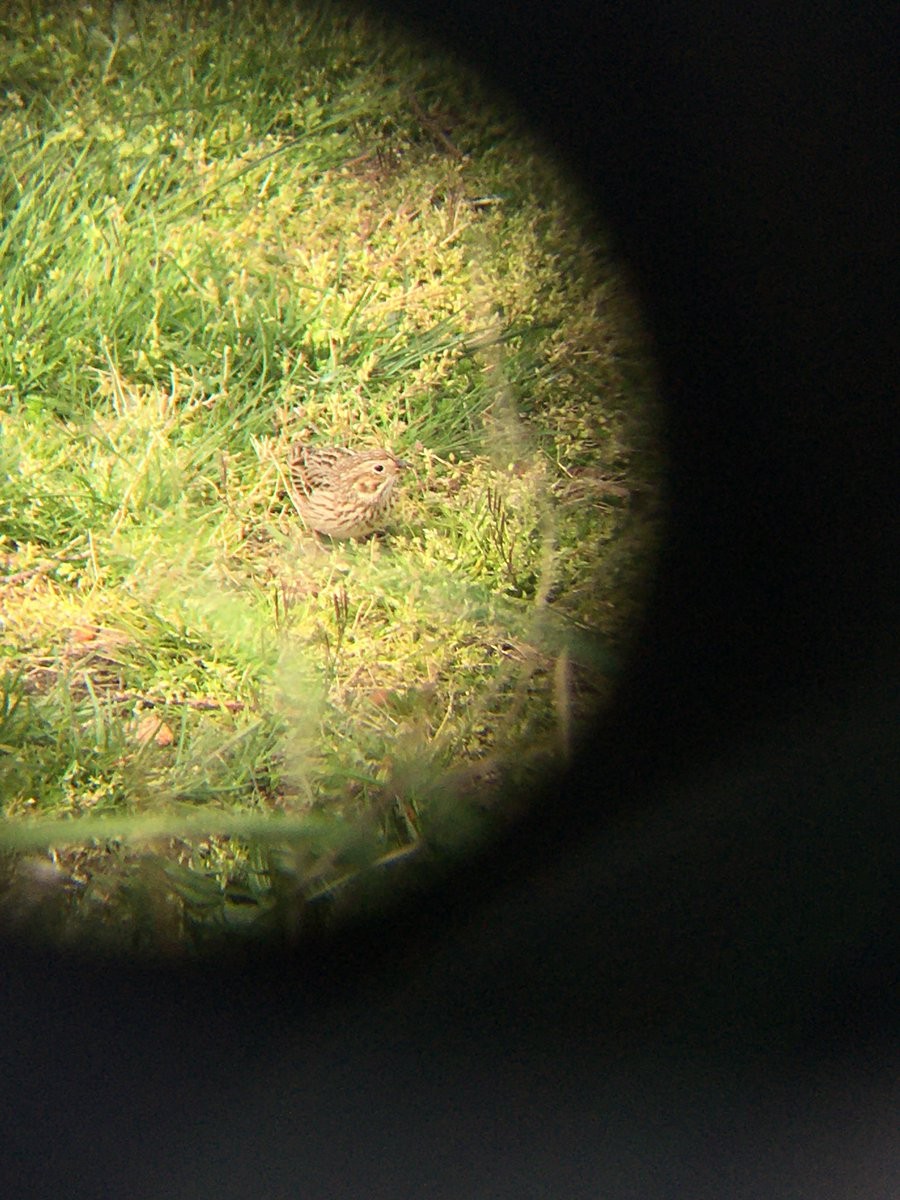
(198, 704)
(30, 573)
(42, 568)
(434, 129)
(359, 159)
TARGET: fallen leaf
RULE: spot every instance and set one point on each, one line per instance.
(152, 729)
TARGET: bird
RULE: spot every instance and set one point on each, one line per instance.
(343, 493)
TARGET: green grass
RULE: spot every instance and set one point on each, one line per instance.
(224, 226)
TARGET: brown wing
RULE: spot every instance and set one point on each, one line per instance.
(314, 467)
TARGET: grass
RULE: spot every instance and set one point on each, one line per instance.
(224, 227)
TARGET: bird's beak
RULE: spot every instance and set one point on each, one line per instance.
(401, 462)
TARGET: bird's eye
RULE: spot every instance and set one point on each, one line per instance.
(378, 468)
